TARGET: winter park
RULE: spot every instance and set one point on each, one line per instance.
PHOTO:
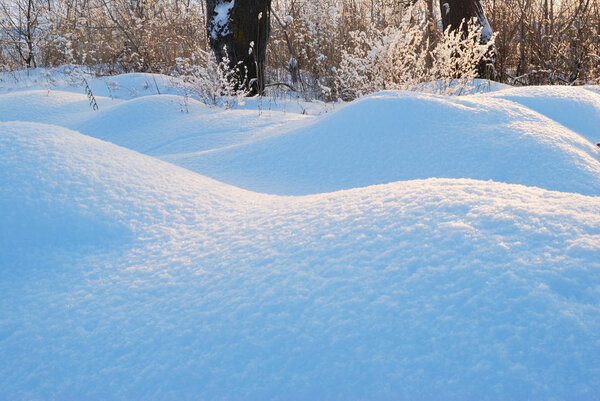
(300, 200)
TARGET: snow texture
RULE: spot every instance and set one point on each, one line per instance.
(220, 21)
(396, 136)
(445, 248)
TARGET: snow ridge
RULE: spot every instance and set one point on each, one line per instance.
(407, 271)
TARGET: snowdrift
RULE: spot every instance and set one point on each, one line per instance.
(471, 271)
(577, 108)
(403, 136)
(39, 190)
(415, 290)
(44, 106)
(61, 187)
(160, 125)
(154, 124)
(543, 137)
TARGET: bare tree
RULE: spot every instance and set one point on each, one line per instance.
(19, 22)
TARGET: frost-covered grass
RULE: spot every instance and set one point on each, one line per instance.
(441, 248)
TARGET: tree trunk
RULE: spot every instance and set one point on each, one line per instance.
(457, 13)
(238, 30)
(454, 12)
(430, 33)
(31, 23)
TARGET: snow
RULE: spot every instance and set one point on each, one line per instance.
(442, 248)
(577, 108)
(402, 136)
(221, 18)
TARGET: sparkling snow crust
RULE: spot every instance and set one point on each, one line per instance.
(401, 247)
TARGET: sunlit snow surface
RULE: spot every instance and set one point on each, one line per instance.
(444, 248)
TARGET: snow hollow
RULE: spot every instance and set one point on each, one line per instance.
(405, 246)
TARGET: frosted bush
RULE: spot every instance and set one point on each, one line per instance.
(458, 60)
(208, 81)
(405, 57)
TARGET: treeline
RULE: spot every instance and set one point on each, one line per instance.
(324, 48)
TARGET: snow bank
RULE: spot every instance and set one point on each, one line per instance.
(167, 124)
(126, 277)
(515, 135)
(153, 124)
(123, 86)
(49, 186)
(414, 290)
(45, 106)
(577, 108)
(39, 192)
(395, 136)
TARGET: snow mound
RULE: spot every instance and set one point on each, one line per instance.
(133, 85)
(60, 188)
(417, 290)
(460, 88)
(515, 135)
(144, 123)
(126, 277)
(577, 108)
(65, 79)
(40, 192)
(167, 124)
(46, 106)
(152, 124)
(394, 136)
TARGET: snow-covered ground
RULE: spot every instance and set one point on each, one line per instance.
(404, 246)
